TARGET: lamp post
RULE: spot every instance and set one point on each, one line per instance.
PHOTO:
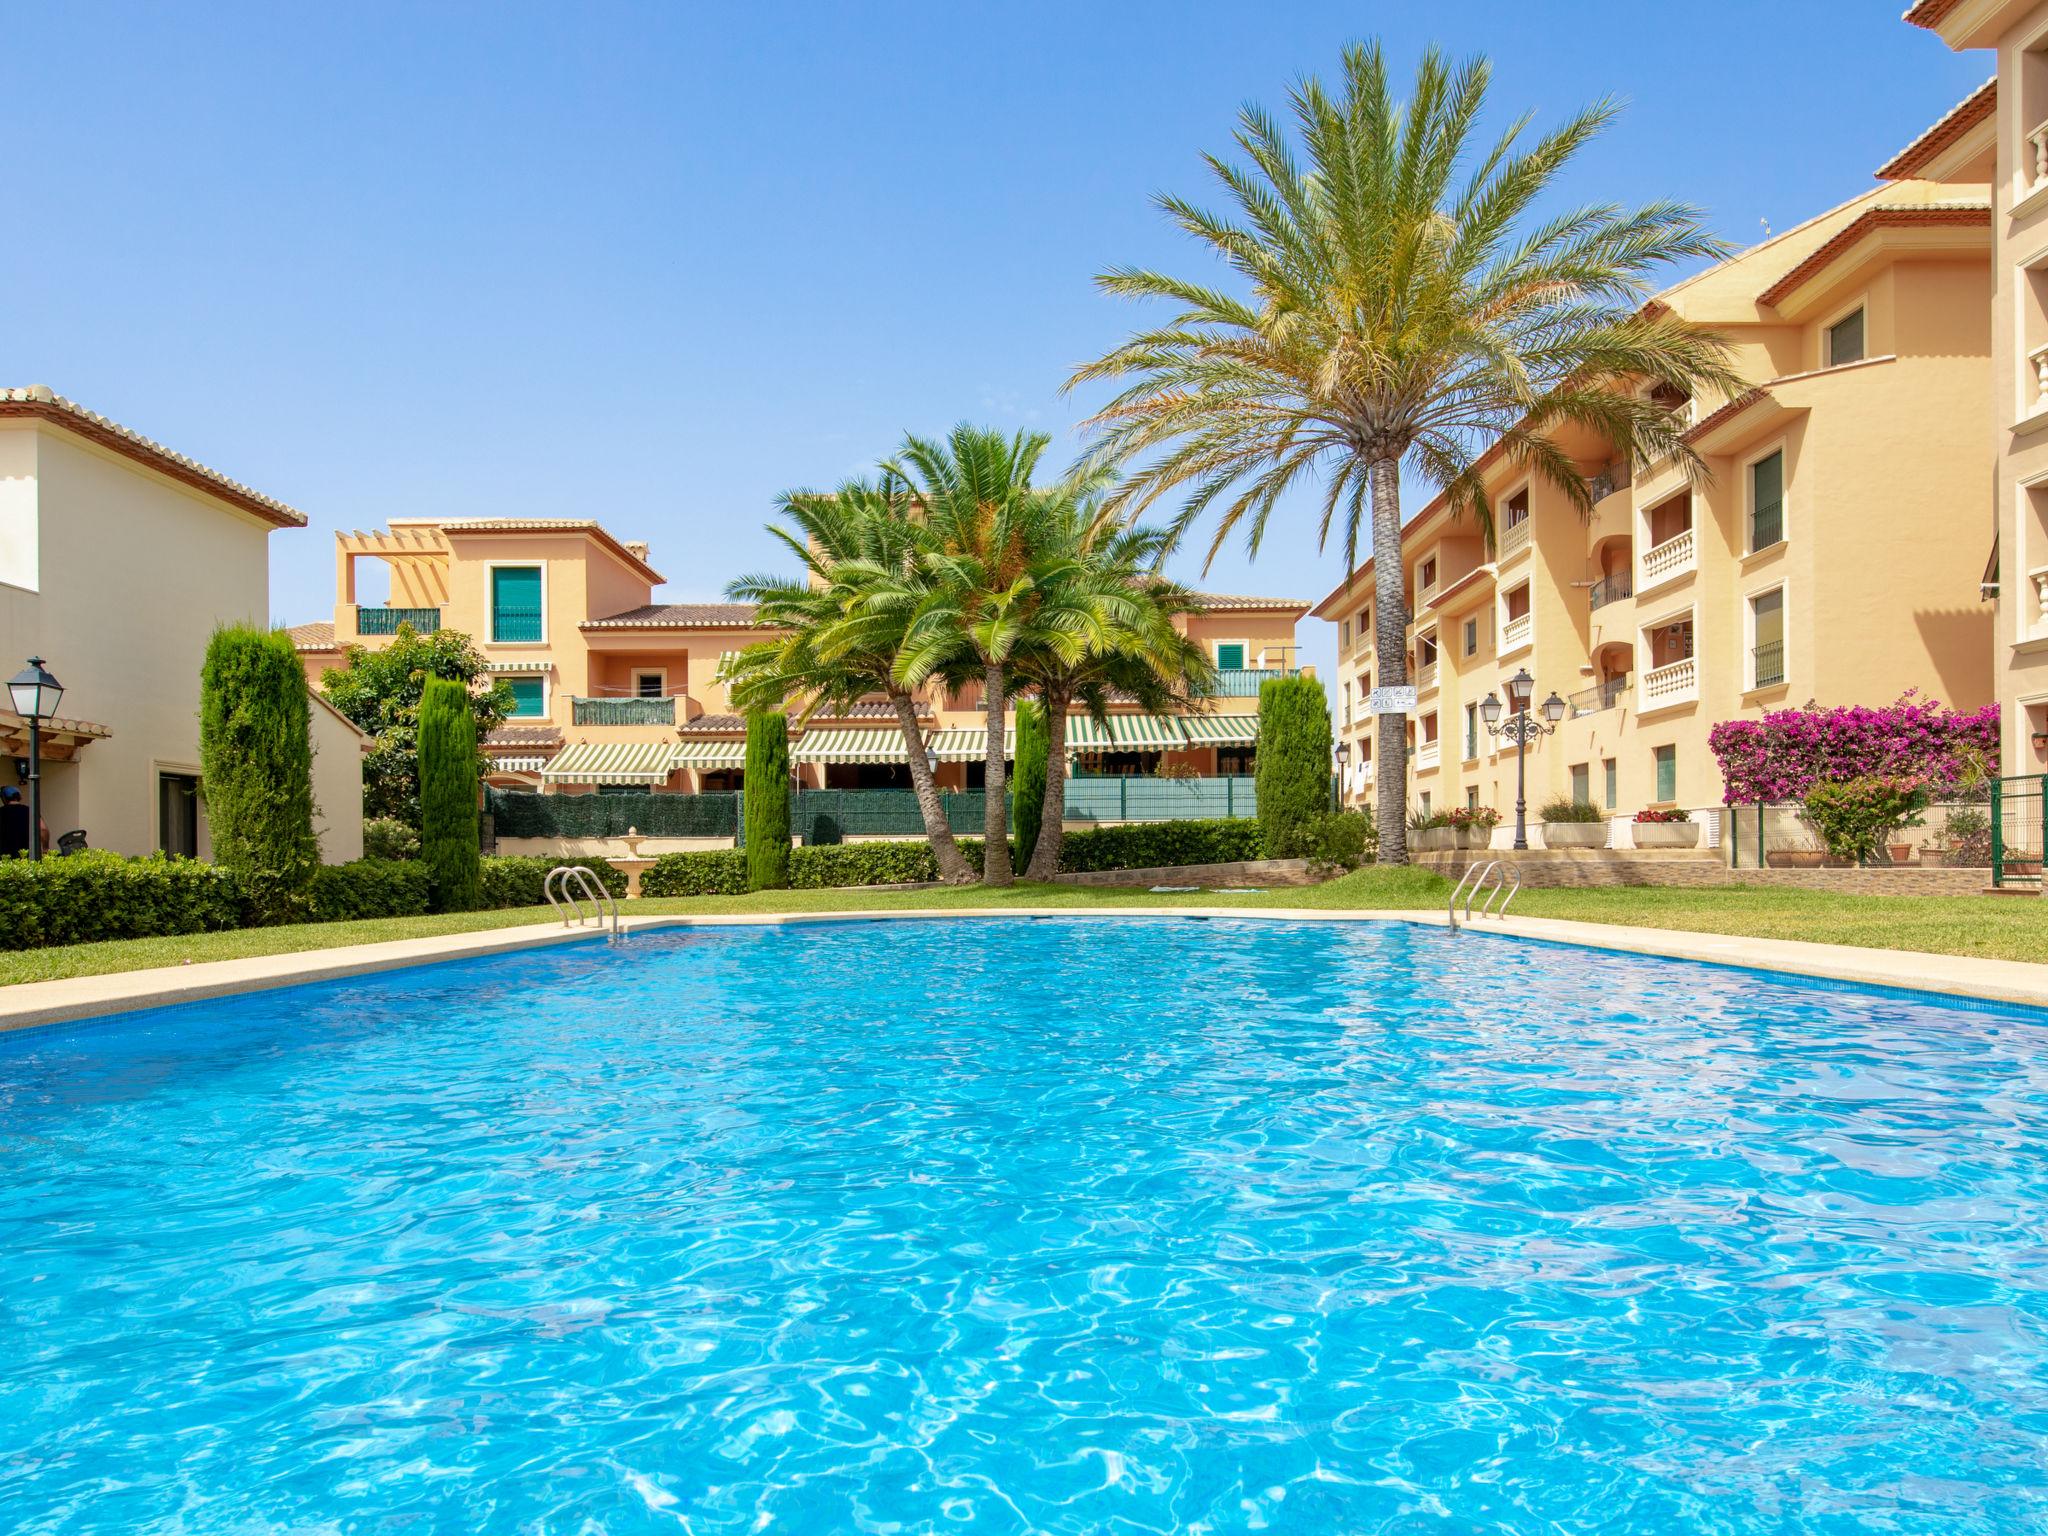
(1343, 757)
(35, 695)
(1520, 727)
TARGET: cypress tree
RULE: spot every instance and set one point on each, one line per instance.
(1294, 762)
(256, 758)
(767, 801)
(449, 831)
(1027, 777)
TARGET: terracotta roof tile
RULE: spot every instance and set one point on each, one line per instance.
(679, 616)
(1217, 602)
(313, 637)
(1930, 13)
(1953, 124)
(634, 554)
(521, 737)
(1884, 215)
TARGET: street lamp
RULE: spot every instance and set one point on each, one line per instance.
(1520, 727)
(35, 694)
(1343, 757)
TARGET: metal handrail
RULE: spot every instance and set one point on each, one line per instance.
(578, 885)
(1500, 873)
(1508, 872)
(1476, 873)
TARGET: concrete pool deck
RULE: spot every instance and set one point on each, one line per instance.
(85, 997)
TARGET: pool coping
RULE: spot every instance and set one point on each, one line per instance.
(27, 1004)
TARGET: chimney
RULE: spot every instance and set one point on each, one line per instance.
(637, 548)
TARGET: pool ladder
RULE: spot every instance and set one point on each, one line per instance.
(1474, 881)
(568, 886)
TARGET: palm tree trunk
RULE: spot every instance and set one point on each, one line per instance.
(1390, 661)
(952, 868)
(995, 856)
(1045, 858)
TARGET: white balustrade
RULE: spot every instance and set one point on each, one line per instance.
(1671, 557)
(2037, 142)
(1429, 754)
(1514, 538)
(1671, 684)
(1515, 632)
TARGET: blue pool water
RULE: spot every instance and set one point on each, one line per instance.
(1073, 1226)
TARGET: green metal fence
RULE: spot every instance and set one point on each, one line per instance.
(833, 815)
(1161, 799)
(2016, 829)
(520, 814)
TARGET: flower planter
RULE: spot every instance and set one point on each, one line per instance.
(2016, 864)
(1961, 858)
(1667, 834)
(1575, 834)
(1901, 853)
(1793, 858)
(1437, 838)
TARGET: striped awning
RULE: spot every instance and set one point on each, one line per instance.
(611, 762)
(730, 752)
(518, 764)
(1127, 733)
(968, 745)
(1221, 730)
(883, 745)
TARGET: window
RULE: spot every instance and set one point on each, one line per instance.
(1429, 573)
(1667, 773)
(529, 698)
(1582, 783)
(1234, 762)
(1767, 502)
(1517, 509)
(1471, 637)
(1518, 602)
(1767, 631)
(515, 604)
(1344, 635)
(1230, 658)
(1471, 797)
(650, 685)
(1471, 733)
(1425, 802)
(1607, 769)
(177, 814)
(1845, 341)
(1425, 649)
(1429, 727)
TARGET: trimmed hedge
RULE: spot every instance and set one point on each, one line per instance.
(1028, 774)
(1151, 844)
(100, 895)
(843, 864)
(369, 888)
(714, 872)
(256, 759)
(517, 880)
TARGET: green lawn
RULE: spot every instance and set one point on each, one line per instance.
(2014, 928)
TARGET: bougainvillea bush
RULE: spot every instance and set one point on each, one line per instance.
(1788, 752)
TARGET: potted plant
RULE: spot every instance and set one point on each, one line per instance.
(1471, 826)
(1968, 839)
(1666, 829)
(1569, 823)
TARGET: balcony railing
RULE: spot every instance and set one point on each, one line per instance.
(515, 626)
(1425, 676)
(1613, 589)
(1672, 684)
(1515, 632)
(1768, 663)
(1671, 557)
(2039, 359)
(1514, 538)
(1244, 682)
(385, 621)
(1590, 701)
(624, 711)
(2037, 157)
(1429, 754)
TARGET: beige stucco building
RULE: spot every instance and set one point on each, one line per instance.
(1835, 555)
(118, 559)
(2000, 133)
(617, 690)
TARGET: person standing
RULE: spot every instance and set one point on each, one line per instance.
(14, 824)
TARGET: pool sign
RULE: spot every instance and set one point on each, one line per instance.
(1390, 701)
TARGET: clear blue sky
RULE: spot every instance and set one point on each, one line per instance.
(655, 263)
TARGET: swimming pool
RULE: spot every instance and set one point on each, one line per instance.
(1075, 1225)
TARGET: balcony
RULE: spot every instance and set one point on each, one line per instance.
(1767, 664)
(1676, 683)
(1514, 633)
(1244, 682)
(2038, 361)
(385, 621)
(1514, 538)
(1674, 557)
(1428, 755)
(2037, 156)
(1612, 590)
(623, 711)
(1425, 677)
(1591, 701)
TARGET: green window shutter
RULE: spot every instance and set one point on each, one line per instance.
(1667, 773)
(1582, 784)
(529, 698)
(1767, 501)
(515, 604)
(1611, 796)
(1230, 657)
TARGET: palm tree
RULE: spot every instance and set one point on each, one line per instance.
(982, 585)
(1408, 306)
(840, 643)
(1109, 628)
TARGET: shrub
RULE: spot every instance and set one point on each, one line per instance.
(381, 692)
(98, 895)
(1293, 763)
(1968, 834)
(1027, 778)
(388, 838)
(1152, 844)
(1345, 839)
(1854, 816)
(448, 799)
(256, 766)
(1484, 817)
(1789, 751)
(715, 872)
(844, 864)
(369, 888)
(1654, 818)
(519, 880)
(1565, 809)
(767, 801)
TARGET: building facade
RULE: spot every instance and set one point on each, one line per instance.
(1834, 554)
(118, 560)
(618, 691)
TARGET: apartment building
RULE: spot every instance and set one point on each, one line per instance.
(1999, 135)
(616, 691)
(1834, 555)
